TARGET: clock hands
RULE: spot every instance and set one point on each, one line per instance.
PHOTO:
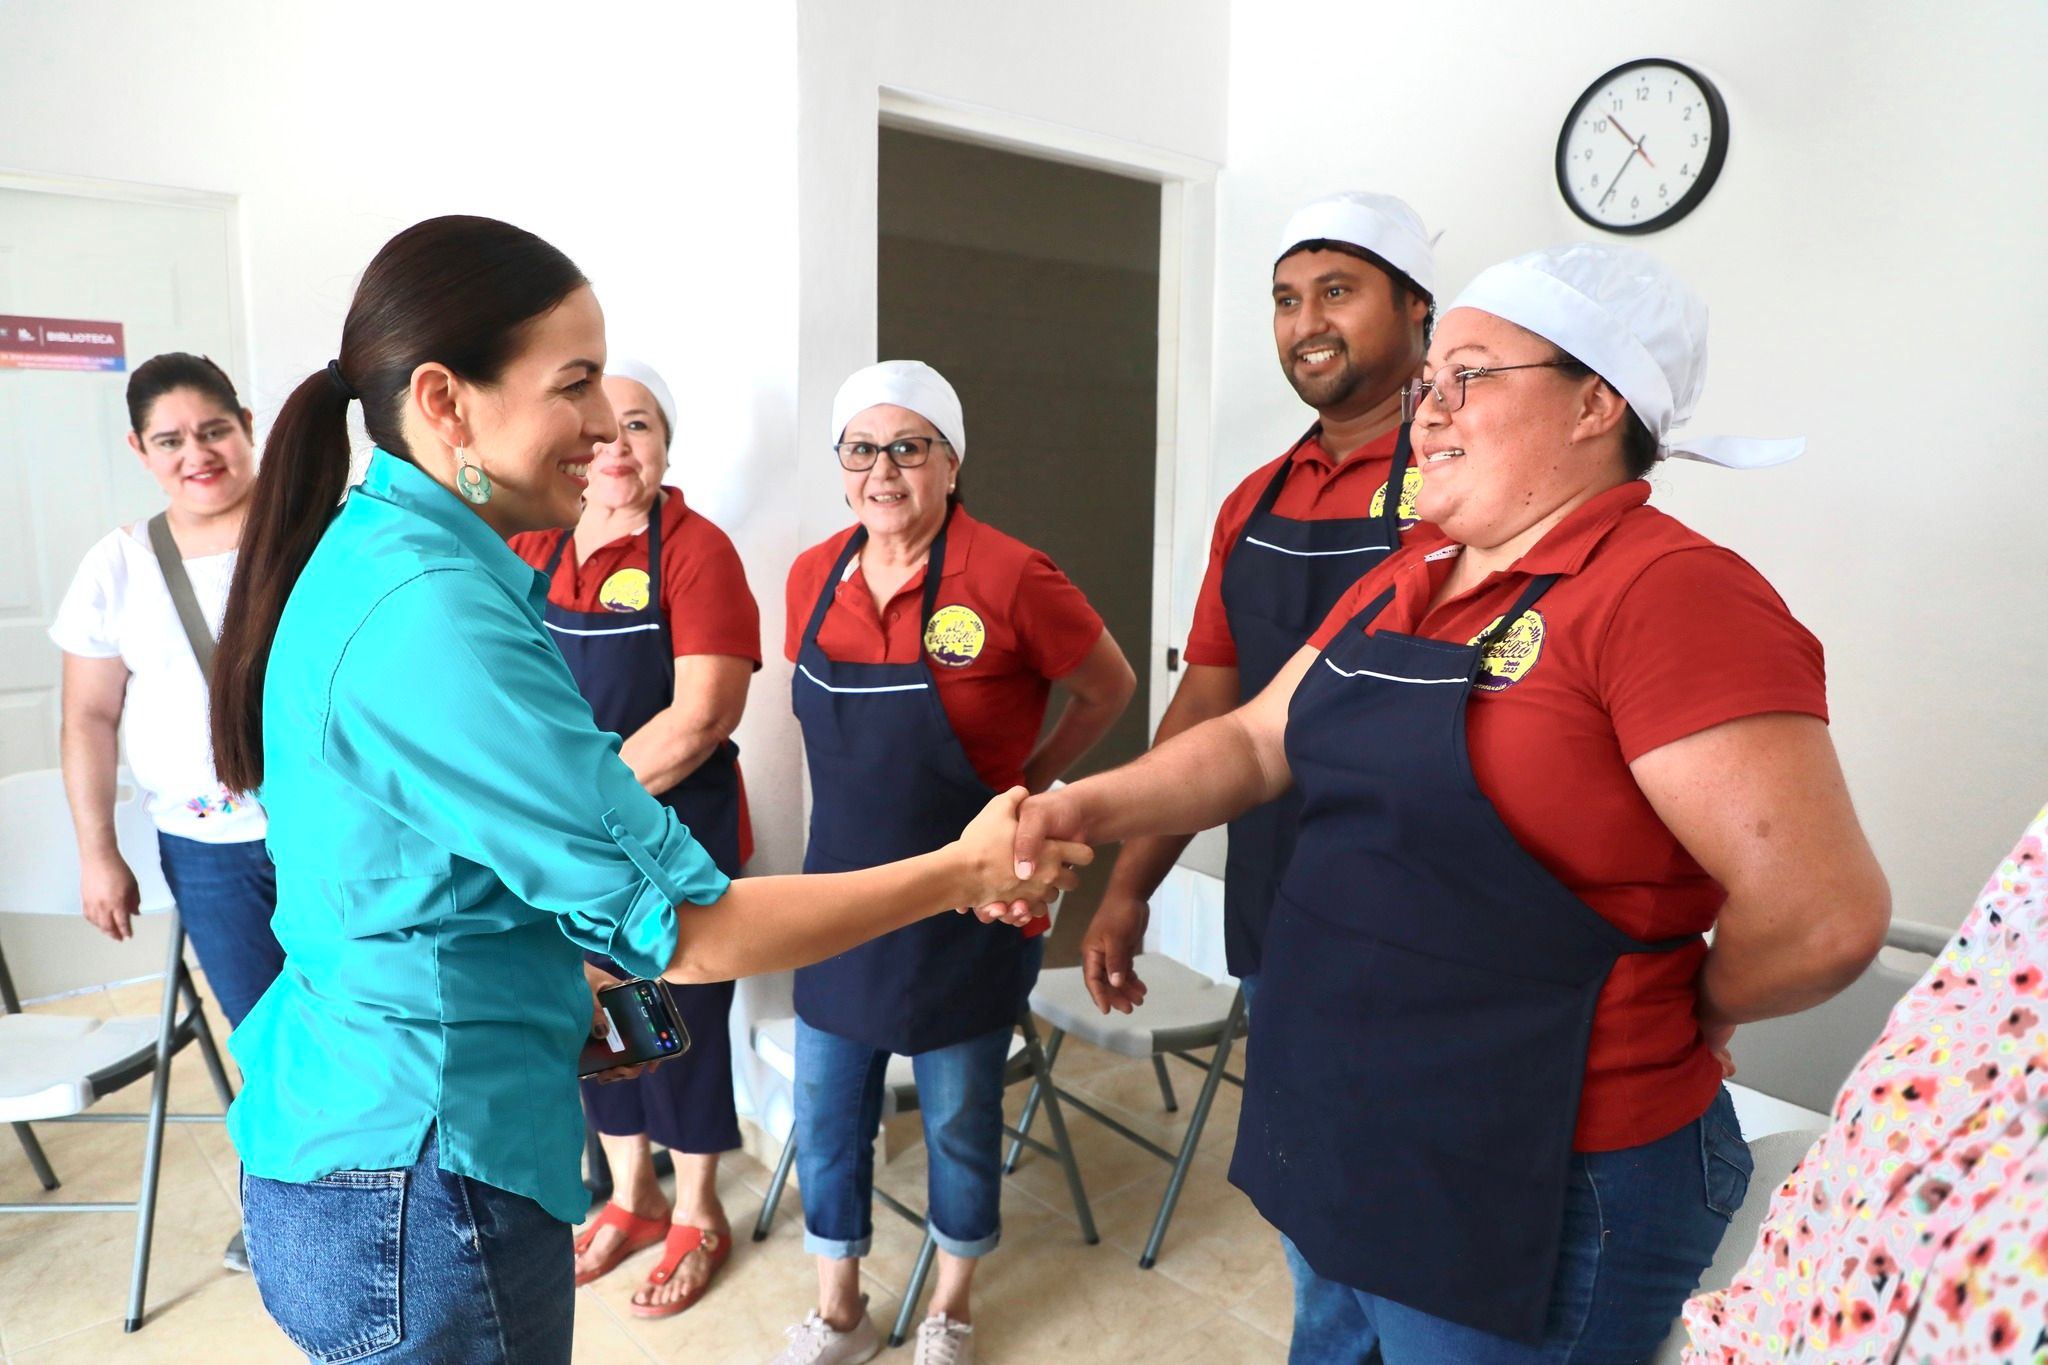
(1636, 143)
(1635, 149)
(1615, 183)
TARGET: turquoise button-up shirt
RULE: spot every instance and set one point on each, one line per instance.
(450, 828)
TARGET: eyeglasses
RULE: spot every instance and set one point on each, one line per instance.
(1450, 381)
(905, 452)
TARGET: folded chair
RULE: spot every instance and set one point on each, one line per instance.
(55, 1068)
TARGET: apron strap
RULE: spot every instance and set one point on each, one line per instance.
(1271, 493)
(654, 558)
(1537, 587)
(934, 570)
(1370, 613)
(1397, 478)
(561, 544)
(832, 581)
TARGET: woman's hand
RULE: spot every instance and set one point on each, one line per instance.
(1719, 1042)
(992, 880)
(107, 889)
(602, 980)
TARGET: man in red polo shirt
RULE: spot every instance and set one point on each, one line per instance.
(1353, 285)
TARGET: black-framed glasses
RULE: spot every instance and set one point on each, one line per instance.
(905, 452)
(1449, 384)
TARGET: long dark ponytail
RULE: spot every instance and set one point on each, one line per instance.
(456, 290)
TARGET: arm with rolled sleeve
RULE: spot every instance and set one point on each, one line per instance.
(451, 711)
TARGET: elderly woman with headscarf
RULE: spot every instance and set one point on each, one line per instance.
(926, 644)
(1541, 749)
(648, 603)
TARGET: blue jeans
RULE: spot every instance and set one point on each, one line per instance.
(1639, 1227)
(226, 894)
(411, 1265)
(839, 1110)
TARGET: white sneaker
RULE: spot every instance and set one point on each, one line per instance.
(814, 1342)
(942, 1341)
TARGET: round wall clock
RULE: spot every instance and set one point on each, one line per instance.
(1642, 146)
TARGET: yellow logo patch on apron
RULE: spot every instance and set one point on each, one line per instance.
(1411, 484)
(955, 636)
(1513, 655)
(626, 590)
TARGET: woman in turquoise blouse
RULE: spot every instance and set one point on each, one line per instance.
(451, 829)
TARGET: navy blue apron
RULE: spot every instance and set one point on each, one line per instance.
(889, 780)
(1426, 1001)
(1279, 581)
(623, 665)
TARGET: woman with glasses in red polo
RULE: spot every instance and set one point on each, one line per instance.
(1541, 749)
(926, 644)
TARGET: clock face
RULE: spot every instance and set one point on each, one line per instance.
(1642, 146)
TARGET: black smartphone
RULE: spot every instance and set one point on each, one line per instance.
(640, 1025)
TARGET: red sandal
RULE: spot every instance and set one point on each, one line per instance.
(682, 1240)
(640, 1233)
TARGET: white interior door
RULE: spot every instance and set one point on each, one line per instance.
(164, 269)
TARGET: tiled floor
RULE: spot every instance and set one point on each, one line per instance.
(1219, 1295)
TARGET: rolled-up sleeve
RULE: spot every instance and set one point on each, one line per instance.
(453, 712)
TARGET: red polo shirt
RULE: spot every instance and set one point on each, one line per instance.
(1317, 489)
(1651, 634)
(704, 593)
(1006, 624)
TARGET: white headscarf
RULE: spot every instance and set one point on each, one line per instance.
(1378, 223)
(642, 373)
(1623, 313)
(905, 384)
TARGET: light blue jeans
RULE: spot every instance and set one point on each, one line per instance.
(839, 1110)
(1640, 1225)
(413, 1265)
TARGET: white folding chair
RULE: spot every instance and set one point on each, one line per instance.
(775, 1044)
(1183, 1011)
(54, 1068)
(1802, 1059)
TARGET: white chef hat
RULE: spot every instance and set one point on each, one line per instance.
(905, 384)
(1622, 313)
(640, 372)
(1378, 223)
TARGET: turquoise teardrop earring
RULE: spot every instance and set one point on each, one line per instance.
(470, 479)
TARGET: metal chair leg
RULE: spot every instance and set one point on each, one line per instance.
(1165, 1084)
(914, 1291)
(776, 1184)
(1196, 1121)
(202, 1033)
(153, 1143)
(36, 1159)
(1030, 1114)
(1041, 1068)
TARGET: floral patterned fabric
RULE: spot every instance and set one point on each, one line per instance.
(1916, 1230)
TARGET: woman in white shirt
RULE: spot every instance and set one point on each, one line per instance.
(128, 657)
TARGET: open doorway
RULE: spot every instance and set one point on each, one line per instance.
(141, 271)
(1033, 286)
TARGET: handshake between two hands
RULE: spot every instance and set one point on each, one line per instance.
(1019, 854)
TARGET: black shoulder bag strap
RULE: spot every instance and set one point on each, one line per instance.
(182, 596)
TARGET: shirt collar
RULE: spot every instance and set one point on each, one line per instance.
(1567, 546)
(396, 480)
(1310, 449)
(961, 532)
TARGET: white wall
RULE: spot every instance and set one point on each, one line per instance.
(1873, 259)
